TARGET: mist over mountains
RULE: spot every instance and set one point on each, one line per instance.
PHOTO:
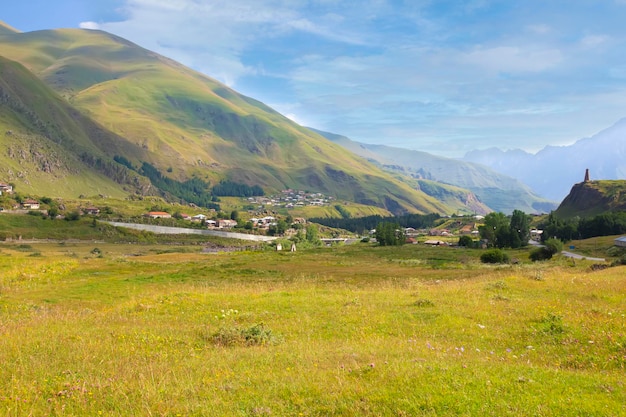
(552, 171)
(499, 192)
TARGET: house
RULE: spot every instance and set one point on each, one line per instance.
(159, 215)
(536, 235)
(299, 220)
(198, 217)
(6, 188)
(226, 223)
(30, 204)
(621, 242)
(185, 216)
(211, 223)
(91, 210)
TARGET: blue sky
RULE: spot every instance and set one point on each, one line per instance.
(441, 76)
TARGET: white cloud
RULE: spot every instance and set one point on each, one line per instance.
(540, 29)
(513, 58)
(89, 25)
(593, 41)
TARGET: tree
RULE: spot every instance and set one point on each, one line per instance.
(390, 234)
(494, 222)
(281, 227)
(234, 215)
(466, 241)
(312, 234)
(520, 227)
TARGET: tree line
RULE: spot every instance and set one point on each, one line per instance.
(605, 224)
(363, 225)
(193, 190)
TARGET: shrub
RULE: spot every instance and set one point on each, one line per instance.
(551, 247)
(424, 302)
(257, 335)
(494, 256)
(466, 241)
(540, 254)
(551, 324)
(554, 245)
(72, 216)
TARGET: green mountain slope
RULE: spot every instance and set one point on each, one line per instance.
(499, 192)
(49, 148)
(189, 125)
(591, 198)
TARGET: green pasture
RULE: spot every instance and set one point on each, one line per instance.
(343, 331)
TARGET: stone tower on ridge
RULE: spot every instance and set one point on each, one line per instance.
(587, 175)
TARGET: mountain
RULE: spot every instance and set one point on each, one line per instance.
(591, 198)
(497, 191)
(552, 170)
(108, 99)
(6, 29)
(49, 148)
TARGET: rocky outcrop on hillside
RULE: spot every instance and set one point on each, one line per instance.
(591, 198)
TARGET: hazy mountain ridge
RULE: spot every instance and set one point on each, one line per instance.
(497, 191)
(553, 170)
(148, 108)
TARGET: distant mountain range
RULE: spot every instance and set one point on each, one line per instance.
(552, 171)
(497, 191)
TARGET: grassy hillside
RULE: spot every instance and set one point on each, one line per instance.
(49, 148)
(354, 330)
(188, 124)
(497, 191)
(588, 199)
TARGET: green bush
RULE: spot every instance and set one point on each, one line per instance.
(540, 254)
(551, 247)
(257, 335)
(494, 256)
(554, 245)
(466, 241)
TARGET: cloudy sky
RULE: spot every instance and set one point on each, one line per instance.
(442, 76)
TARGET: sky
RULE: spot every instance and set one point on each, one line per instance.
(440, 76)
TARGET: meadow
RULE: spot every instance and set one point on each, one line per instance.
(130, 330)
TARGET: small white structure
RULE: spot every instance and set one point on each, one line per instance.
(433, 242)
(621, 242)
(279, 247)
(536, 234)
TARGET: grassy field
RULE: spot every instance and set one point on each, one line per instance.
(343, 331)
